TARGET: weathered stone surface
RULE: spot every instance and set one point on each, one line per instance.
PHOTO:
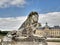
(27, 43)
(30, 24)
(26, 33)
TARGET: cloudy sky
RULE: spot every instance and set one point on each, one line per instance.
(14, 12)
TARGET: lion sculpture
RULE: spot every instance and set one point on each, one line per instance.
(27, 29)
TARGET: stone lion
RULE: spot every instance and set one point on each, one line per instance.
(27, 28)
(30, 24)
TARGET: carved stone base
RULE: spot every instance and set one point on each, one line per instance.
(30, 43)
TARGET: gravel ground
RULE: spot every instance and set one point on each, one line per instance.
(53, 43)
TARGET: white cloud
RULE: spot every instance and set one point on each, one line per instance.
(12, 23)
(52, 18)
(7, 3)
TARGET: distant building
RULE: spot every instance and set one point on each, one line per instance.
(48, 31)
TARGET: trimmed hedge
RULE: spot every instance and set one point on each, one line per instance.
(3, 33)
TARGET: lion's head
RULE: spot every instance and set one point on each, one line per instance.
(33, 17)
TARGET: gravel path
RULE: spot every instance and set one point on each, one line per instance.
(53, 43)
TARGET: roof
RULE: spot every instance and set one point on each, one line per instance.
(54, 27)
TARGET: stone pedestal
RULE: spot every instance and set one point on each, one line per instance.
(30, 43)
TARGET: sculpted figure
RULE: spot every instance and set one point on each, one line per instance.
(30, 24)
(28, 28)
